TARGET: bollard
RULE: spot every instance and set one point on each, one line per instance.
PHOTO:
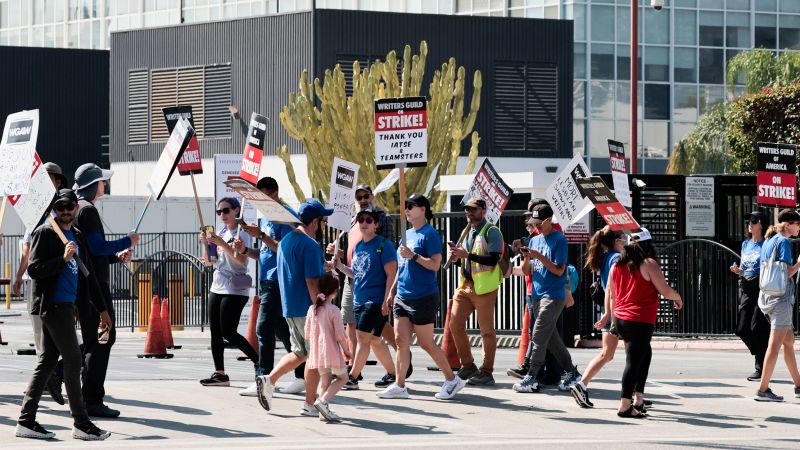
(175, 292)
(145, 291)
(8, 287)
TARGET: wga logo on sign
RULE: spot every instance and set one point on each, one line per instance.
(345, 177)
(20, 131)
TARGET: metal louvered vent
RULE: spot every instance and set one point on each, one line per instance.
(137, 106)
(216, 116)
(190, 93)
(164, 93)
(526, 107)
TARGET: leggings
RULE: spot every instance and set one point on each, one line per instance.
(637, 336)
(224, 312)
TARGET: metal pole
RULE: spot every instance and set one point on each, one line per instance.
(634, 144)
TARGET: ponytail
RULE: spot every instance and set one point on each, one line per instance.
(601, 241)
(773, 230)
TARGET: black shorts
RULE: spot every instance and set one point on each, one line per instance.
(420, 311)
(369, 318)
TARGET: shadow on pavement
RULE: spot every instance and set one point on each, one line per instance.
(395, 406)
(198, 429)
(698, 384)
(394, 428)
(702, 419)
(140, 404)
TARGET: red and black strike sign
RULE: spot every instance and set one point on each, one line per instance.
(401, 132)
(616, 216)
(776, 176)
(254, 149)
(190, 162)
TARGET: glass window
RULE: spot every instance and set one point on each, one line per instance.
(580, 60)
(712, 65)
(623, 100)
(685, 103)
(685, 65)
(712, 4)
(681, 130)
(74, 35)
(742, 5)
(737, 31)
(578, 14)
(791, 6)
(729, 55)
(656, 64)
(602, 23)
(710, 29)
(655, 140)
(578, 99)
(600, 131)
(766, 5)
(579, 137)
(656, 101)
(602, 99)
(624, 25)
(710, 96)
(685, 3)
(656, 26)
(685, 27)
(603, 61)
(766, 32)
(790, 31)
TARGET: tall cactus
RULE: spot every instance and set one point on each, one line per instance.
(342, 125)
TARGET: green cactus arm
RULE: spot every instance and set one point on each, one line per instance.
(283, 154)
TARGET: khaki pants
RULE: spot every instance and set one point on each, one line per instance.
(465, 301)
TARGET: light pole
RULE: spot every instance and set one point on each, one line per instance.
(634, 145)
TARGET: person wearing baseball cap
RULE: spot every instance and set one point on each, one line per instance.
(779, 307)
(90, 184)
(56, 175)
(752, 327)
(300, 265)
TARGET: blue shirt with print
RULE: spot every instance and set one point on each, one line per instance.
(784, 252)
(413, 280)
(67, 285)
(299, 257)
(609, 259)
(369, 284)
(545, 283)
(267, 259)
(751, 258)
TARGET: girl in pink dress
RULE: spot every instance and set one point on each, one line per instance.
(327, 341)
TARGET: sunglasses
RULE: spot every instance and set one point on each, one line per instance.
(368, 219)
(470, 209)
(64, 206)
(223, 211)
(410, 206)
(363, 197)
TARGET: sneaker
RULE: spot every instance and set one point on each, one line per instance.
(755, 376)
(216, 379)
(32, 430)
(528, 385)
(572, 377)
(581, 395)
(386, 380)
(518, 372)
(295, 387)
(265, 388)
(251, 391)
(309, 410)
(325, 411)
(394, 391)
(465, 373)
(351, 385)
(89, 432)
(101, 410)
(767, 396)
(481, 379)
(451, 388)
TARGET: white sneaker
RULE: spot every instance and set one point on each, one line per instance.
(295, 387)
(325, 412)
(309, 410)
(265, 388)
(450, 388)
(33, 431)
(393, 391)
(251, 391)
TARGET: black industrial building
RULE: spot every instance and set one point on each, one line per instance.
(70, 89)
(253, 64)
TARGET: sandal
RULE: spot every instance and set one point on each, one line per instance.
(641, 408)
(631, 413)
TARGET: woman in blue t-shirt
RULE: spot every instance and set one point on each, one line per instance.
(752, 327)
(373, 271)
(605, 248)
(417, 299)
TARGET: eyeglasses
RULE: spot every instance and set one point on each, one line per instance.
(470, 209)
(363, 197)
(369, 220)
(223, 211)
(64, 206)
(410, 206)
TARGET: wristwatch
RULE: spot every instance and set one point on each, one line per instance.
(415, 257)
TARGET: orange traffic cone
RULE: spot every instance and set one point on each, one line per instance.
(524, 336)
(166, 322)
(250, 335)
(448, 345)
(154, 346)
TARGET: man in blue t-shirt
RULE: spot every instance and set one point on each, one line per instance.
(270, 323)
(546, 261)
(300, 263)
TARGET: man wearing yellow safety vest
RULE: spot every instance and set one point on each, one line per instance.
(481, 276)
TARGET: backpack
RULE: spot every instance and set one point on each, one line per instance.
(574, 278)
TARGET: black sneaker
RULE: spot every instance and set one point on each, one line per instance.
(386, 380)
(102, 410)
(518, 372)
(767, 396)
(32, 430)
(54, 389)
(581, 395)
(351, 385)
(89, 432)
(755, 376)
(481, 379)
(465, 373)
(216, 379)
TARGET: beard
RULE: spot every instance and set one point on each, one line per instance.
(65, 219)
(319, 235)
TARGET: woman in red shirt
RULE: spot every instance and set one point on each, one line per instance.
(637, 282)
